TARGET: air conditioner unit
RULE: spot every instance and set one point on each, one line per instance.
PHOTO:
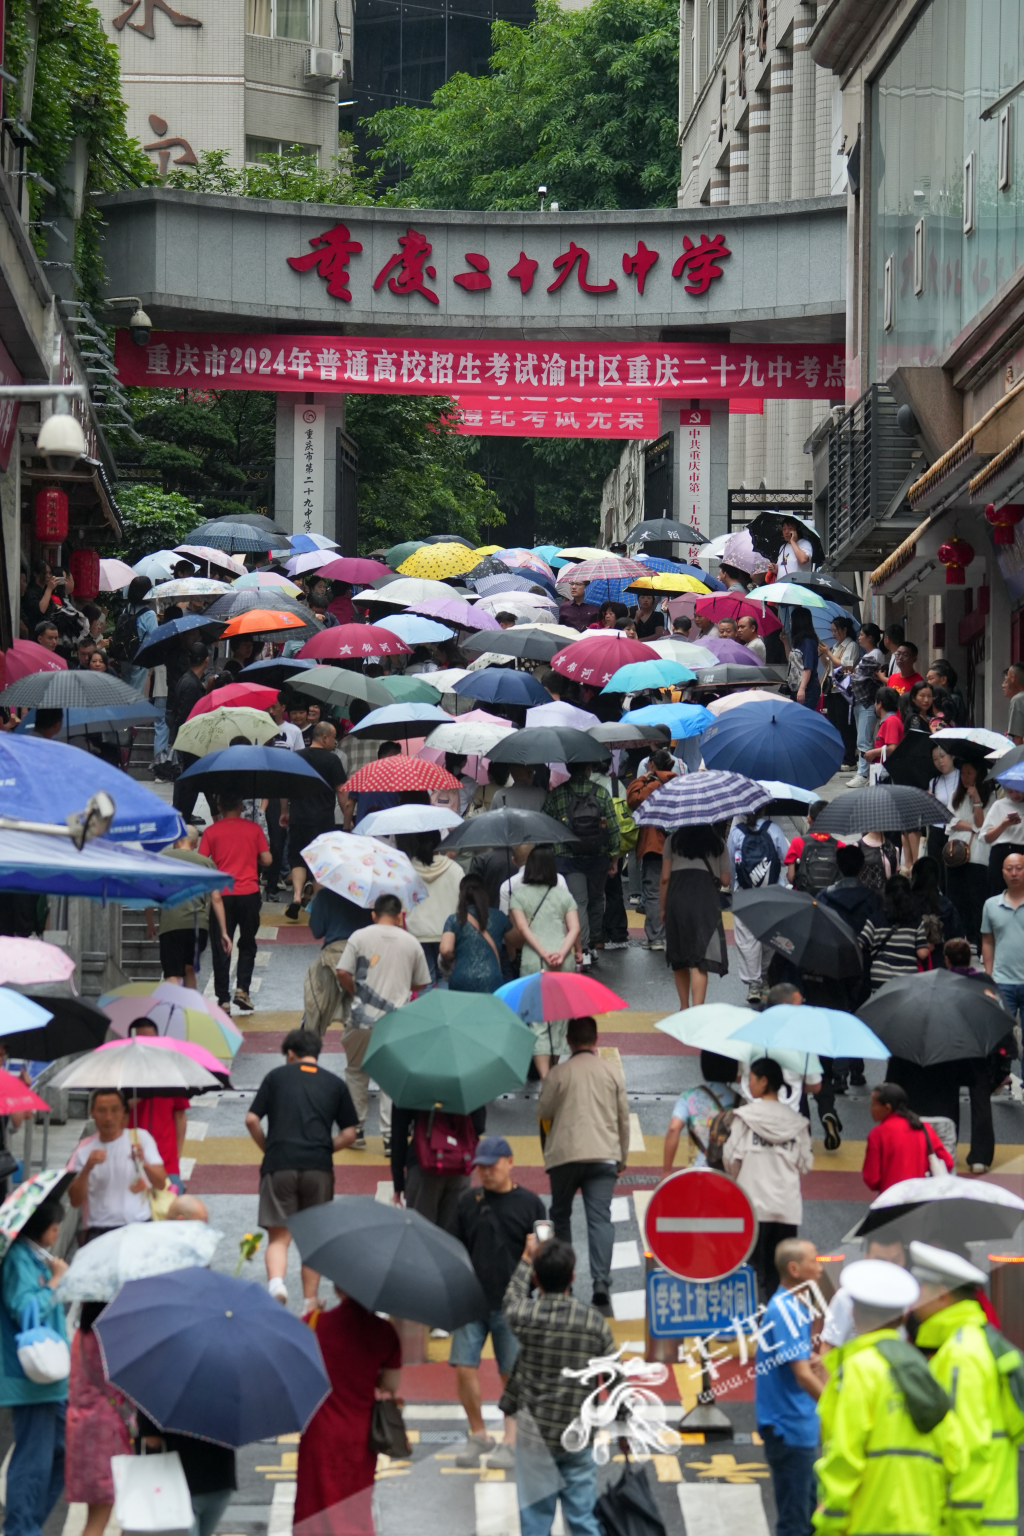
(322, 64)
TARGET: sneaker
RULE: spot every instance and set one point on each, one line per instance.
(504, 1458)
(839, 1085)
(476, 1446)
(858, 1080)
(359, 1145)
(291, 911)
(587, 960)
(243, 1001)
(659, 944)
(278, 1290)
(602, 1303)
(439, 1333)
(978, 1167)
(754, 993)
(224, 1004)
(387, 1153)
(830, 1124)
(857, 782)
(617, 944)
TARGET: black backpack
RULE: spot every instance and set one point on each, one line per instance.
(124, 642)
(588, 822)
(818, 867)
(758, 863)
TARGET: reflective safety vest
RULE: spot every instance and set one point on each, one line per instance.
(984, 1495)
(879, 1475)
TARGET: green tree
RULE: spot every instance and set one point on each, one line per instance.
(154, 519)
(548, 488)
(295, 177)
(215, 447)
(581, 101)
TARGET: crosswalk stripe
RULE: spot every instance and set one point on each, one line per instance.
(722, 1509)
(626, 1255)
(620, 1208)
(636, 1135)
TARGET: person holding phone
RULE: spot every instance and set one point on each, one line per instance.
(1003, 831)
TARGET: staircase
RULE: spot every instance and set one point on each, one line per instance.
(139, 764)
(140, 955)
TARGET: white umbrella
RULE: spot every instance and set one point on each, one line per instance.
(361, 869)
(187, 586)
(945, 1186)
(134, 1066)
(685, 651)
(583, 552)
(523, 604)
(312, 561)
(135, 1252)
(995, 741)
(114, 575)
(212, 557)
(560, 713)
(715, 549)
(401, 820)
(406, 590)
(445, 678)
(469, 738)
(746, 696)
(159, 566)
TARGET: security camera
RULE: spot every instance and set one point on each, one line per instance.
(140, 327)
(542, 191)
(61, 440)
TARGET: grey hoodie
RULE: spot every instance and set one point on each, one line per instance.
(768, 1149)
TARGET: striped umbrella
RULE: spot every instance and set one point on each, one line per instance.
(700, 799)
(608, 568)
(68, 690)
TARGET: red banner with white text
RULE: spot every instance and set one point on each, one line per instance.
(558, 416)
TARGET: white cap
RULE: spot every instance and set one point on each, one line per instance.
(877, 1283)
(938, 1266)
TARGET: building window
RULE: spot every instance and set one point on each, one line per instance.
(889, 294)
(919, 257)
(1003, 176)
(258, 149)
(293, 19)
(969, 194)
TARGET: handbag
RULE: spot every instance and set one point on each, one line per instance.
(42, 1354)
(936, 1167)
(956, 852)
(150, 1492)
(160, 1200)
(387, 1430)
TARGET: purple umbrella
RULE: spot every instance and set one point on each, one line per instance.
(451, 610)
(730, 650)
(700, 799)
(487, 586)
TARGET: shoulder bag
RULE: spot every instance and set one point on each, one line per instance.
(42, 1354)
(387, 1430)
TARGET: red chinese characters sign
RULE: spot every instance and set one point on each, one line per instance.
(541, 369)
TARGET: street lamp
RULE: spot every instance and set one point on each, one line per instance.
(61, 440)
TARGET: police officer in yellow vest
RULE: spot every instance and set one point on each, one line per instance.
(890, 1444)
(956, 1339)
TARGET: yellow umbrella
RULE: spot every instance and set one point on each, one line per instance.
(583, 552)
(667, 581)
(439, 560)
(489, 549)
(219, 727)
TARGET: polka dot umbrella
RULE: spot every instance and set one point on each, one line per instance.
(438, 561)
(399, 774)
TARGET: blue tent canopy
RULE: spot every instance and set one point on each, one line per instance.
(41, 865)
(48, 781)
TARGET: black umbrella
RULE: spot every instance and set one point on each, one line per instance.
(766, 533)
(658, 530)
(242, 599)
(68, 690)
(628, 1507)
(937, 1016)
(449, 538)
(1007, 760)
(616, 733)
(800, 928)
(548, 744)
(947, 1221)
(252, 520)
(910, 761)
(881, 808)
(254, 772)
(733, 674)
(275, 673)
(825, 585)
(76, 1026)
(506, 828)
(390, 1260)
(490, 565)
(525, 641)
(237, 538)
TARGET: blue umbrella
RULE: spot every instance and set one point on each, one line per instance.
(21, 1012)
(683, 720)
(41, 865)
(275, 672)
(549, 554)
(611, 590)
(307, 543)
(253, 772)
(169, 631)
(797, 746)
(48, 781)
(189, 1347)
(114, 716)
(414, 629)
(500, 685)
(817, 1031)
(638, 675)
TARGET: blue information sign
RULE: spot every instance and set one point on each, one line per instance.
(677, 1308)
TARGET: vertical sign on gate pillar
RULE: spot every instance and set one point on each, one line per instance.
(309, 470)
(695, 470)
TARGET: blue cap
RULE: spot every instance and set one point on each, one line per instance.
(489, 1149)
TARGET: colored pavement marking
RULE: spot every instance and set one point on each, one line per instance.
(723, 1508)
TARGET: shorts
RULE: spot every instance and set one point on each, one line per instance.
(469, 1339)
(290, 1190)
(178, 949)
(300, 837)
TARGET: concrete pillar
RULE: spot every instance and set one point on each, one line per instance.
(781, 136)
(804, 106)
(720, 184)
(776, 470)
(759, 121)
(755, 459)
(739, 168)
(798, 430)
(737, 450)
(824, 92)
(997, 654)
(718, 521)
(330, 421)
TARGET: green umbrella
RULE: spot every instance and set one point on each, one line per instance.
(410, 690)
(332, 685)
(399, 552)
(450, 1050)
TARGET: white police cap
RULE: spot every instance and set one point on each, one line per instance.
(938, 1266)
(877, 1283)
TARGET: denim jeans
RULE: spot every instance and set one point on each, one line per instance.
(866, 721)
(571, 1477)
(1012, 994)
(161, 733)
(793, 1483)
(35, 1476)
(650, 869)
(207, 1509)
(596, 1181)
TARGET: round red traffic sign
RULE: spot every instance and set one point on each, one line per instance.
(700, 1225)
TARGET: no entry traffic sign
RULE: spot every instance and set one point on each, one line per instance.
(700, 1225)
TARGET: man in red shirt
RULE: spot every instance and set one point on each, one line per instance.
(238, 848)
(906, 673)
(163, 1118)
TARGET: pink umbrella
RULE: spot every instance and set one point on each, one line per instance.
(352, 569)
(196, 1053)
(594, 657)
(27, 961)
(730, 650)
(353, 642)
(166, 992)
(733, 605)
(25, 657)
(114, 575)
(452, 610)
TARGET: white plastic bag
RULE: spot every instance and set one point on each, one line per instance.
(42, 1354)
(150, 1492)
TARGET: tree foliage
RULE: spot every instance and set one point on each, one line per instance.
(215, 447)
(294, 177)
(581, 101)
(154, 519)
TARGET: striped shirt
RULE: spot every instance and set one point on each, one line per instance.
(891, 950)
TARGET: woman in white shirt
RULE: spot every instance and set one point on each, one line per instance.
(943, 786)
(1003, 831)
(796, 554)
(966, 881)
(839, 664)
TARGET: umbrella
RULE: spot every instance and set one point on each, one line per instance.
(21, 1012)
(469, 738)
(218, 728)
(68, 690)
(136, 1252)
(195, 1053)
(549, 553)
(710, 1026)
(407, 820)
(49, 1184)
(944, 1208)
(265, 579)
(561, 714)
(826, 1031)
(737, 550)
(158, 566)
(936, 1016)
(238, 600)
(114, 575)
(490, 586)
(392, 721)
(594, 658)
(165, 640)
(275, 672)
(411, 690)
(103, 720)
(252, 772)
(677, 567)
(186, 1348)
(354, 641)
(68, 1025)
(579, 552)
(212, 557)
(352, 569)
(238, 538)
(390, 1260)
(262, 623)
(414, 629)
(640, 675)
(766, 533)
(26, 658)
(100, 871)
(729, 605)
(506, 828)
(136, 1066)
(404, 591)
(451, 538)
(170, 992)
(30, 962)
(625, 733)
(251, 519)
(731, 674)
(362, 868)
(48, 781)
(523, 605)
(548, 744)
(803, 748)
(498, 685)
(789, 593)
(606, 568)
(669, 581)
(730, 650)
(558, 995)
(234, 695)
(436, 561)
(889, 807)
(306, 542)
(399, 552)
(961, 736)
(192, 1020)
(15, 1098)
(517, 557)
(672, 648)
(187, 587)
(698, 799)
(787, 799)
(661, 530)
(910, 763)
(826, 586)
(334, 684)
(681, 720)
(398, 775)
(533, 642)
(452, 610)
(450, 1050)
(805, 931)
(490, 565)
(313, 560)
(756, 696)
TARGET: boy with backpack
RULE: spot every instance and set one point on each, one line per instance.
(586, 862)
(811, 859)
(757, 850)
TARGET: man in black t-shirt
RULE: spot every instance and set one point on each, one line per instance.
(311, 812)
(493, 1223)
(302, 1103)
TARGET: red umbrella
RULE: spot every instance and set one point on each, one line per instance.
(251, 695)
(727, 605)
(25, 657)
(594, 658)
(353, 569)
(730, 650)
(15, 1098)
(395, 774)
(354, 641)
(559, 995)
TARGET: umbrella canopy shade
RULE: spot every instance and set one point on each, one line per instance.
(158, 566)
(407, 820)
(469, 738)
(399, 552)
(936, 1016)
(309, 560)
(524, 605)
(165, 640)
(451, 538)
(212, 557)
(498, 685)
(73, 1025)
(187, 587)
(944, 1210)
(353, 641)
(137, 1066)
(698, 799)
(895, 807)
(802, 748)
(661, 530)
(789, 593)
(975, 736)
(803, 930)
(578, 552)
(681, 720)
(668, 581)
(186, 1348)
(238, 538)
(911, 764)
(110, 718)
(332, 685)
(30, 962)
(251, 519)
(362, 868)
(624, 733)
(606, 568)
(549, 744)
(44, 780)
(560, 713)
(533, 642)
(550, 554)
(411, 690)
(766, 533)
(748, 696)
(261, 623)
(558, 995)
(491, 586)
(787, 799)
(114, 575)
(414, 629)
(729, 605)
(454, 1050)
(595, 657)
(452, 610)
(706, 1028)
(49, 1184)
(490, 565)
(738, 551)
(101, 871)
(729, 674)
(353, 569)
(136, 1252)
(672, 648)
(506, 828)
(196, 1053)
(16, 1098)
(218, 728)
(25, 658)
(1012, 777)
(390, 1260)
(826, 1031)
(730, 650)
(517, 557)
(235, 695)
(275, 672)
(403, 591)
(180, 1021)
(306, 542)
(238, 600)
(252, 772)
(393, 721)
(398, 774)
(826, 586)
(640, 675)
(436, 561)
(262, 580)
(166, 992)
(68, 690)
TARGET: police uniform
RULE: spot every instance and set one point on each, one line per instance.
(890, 1445)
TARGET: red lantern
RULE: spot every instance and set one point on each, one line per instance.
(955, 556)
(51, 515)
(84, 565)
(1003, 520)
